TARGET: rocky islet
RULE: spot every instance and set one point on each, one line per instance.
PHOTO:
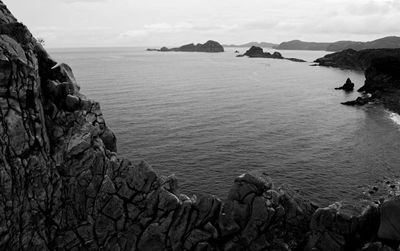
(209, 46)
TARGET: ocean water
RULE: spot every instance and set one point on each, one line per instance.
(208, 118)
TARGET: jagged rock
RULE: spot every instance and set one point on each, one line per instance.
(247, 184)
(390, 220)
(348, 86)
(359, 101)
(343, 226)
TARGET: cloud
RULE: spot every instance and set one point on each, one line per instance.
(182, 27)
(358, 25)
(374, 7)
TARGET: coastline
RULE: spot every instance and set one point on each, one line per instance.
(64, 186)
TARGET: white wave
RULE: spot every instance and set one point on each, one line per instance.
(394, 117)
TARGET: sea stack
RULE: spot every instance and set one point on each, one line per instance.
(348, 86)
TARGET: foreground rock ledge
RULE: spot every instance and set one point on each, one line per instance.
(63, 186)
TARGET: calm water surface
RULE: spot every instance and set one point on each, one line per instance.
(210, 117)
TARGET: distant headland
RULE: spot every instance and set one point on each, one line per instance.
(258, 44)
(386, 42)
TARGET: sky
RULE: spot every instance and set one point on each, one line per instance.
(103, 23)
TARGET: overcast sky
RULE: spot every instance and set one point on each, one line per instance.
(82, 23)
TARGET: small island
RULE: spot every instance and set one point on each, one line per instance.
(257, 52)
(209, 46)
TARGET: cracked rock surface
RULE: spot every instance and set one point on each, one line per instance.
(63, 186)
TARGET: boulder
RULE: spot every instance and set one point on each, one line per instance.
(343, 226)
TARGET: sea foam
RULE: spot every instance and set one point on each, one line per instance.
(394, 117)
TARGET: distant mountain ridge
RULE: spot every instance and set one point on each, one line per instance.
(250, 44)
(391, 42)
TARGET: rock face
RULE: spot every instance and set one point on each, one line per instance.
(343, 226)
(209, 46)
(258, 52)
(382, 83)
(382, 75)
(348, 86)
(386, 42)
(63, 186)
(390, 220)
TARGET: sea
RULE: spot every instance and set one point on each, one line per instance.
(210, 117)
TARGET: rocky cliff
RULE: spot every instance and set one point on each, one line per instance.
(382, 81)
(63, 186)
(356, 60)
(382, 74)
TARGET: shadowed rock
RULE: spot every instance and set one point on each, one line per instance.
(258, 52)
(390, 220)
(348, 86)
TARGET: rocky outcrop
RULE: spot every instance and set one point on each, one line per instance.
(382, 77)
(382, 83)
(63, 186)
(343, 226)
(348, 86)
(359, 101)
(209, 46)
(258, 52)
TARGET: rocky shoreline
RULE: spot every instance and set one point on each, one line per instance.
(63, 186)
(382, 74)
